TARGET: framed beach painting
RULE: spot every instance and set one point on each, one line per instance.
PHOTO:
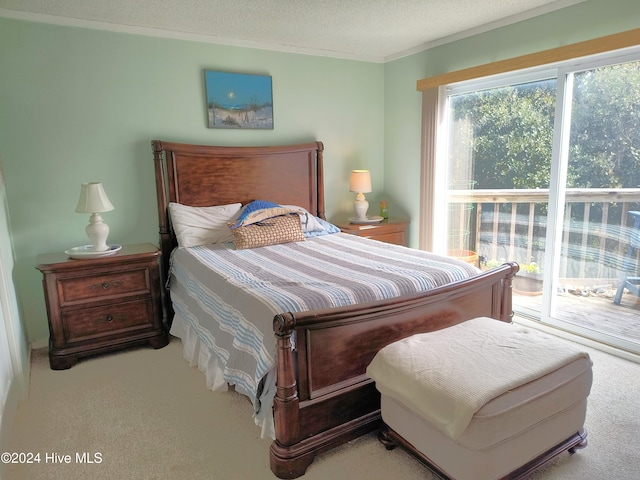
(239, 100)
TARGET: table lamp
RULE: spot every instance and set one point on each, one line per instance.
(361, 184)
(94, 200)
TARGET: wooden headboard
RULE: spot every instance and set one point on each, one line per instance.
(201, 175)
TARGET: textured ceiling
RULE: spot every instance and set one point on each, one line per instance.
(374, 30)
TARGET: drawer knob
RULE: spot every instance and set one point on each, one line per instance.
(106, 285)
(109, 318)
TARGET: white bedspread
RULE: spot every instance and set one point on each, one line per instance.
(446, 376)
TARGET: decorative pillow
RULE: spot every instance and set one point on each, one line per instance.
(272, 231)
(202, 225)
(259, 210)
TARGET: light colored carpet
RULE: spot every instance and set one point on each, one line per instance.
(149, 416)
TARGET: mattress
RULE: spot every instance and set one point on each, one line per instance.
(225, 299)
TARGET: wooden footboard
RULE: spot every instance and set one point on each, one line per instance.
(323, 396)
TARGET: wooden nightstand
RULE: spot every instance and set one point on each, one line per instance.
(102, 304)
(392, 230)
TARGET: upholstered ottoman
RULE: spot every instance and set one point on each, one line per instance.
(483, 399)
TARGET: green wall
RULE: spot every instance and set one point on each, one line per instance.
(82, 105)
(403, 104)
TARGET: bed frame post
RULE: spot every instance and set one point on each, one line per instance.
(320, 180)
(287, 461)
(163, 226)
(286, 398)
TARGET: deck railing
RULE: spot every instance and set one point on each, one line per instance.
(511, 225)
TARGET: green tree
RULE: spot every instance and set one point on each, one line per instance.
(512, 134)
(509, 131)
(605, 128)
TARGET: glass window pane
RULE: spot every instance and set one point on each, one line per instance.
(500, 142)
(603, 176)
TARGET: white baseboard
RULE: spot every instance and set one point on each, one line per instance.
(17, 392)
(7, 417)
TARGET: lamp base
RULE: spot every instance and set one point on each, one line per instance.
(361, 205)
(97, 231)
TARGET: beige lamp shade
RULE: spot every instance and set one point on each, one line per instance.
(360, 181)
(93, 199)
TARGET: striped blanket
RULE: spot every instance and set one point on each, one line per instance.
(229, 297)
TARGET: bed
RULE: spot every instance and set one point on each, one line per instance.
(321, 395)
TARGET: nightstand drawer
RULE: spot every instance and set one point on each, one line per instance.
(392, 230)
(105, 320)
(94, 287)
(398, 238)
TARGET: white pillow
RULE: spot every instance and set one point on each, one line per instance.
(309, 222)
(202, 225)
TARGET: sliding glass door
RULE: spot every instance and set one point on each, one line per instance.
(598, 179)
(543, 168)
(500, 142)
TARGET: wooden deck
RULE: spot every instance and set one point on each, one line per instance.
(595, 312)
